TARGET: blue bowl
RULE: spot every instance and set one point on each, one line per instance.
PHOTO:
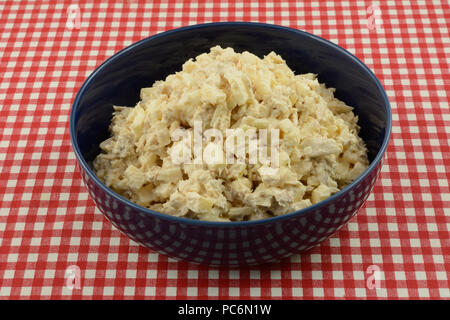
(118, 82)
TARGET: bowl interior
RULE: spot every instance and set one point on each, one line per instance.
(119, 80)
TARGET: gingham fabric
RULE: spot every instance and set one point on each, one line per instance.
(55, 244)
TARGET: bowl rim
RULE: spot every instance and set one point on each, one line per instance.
(82, 162)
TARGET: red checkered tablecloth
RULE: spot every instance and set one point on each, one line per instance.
(52, 235)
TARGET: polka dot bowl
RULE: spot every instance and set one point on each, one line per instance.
(118, 81)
